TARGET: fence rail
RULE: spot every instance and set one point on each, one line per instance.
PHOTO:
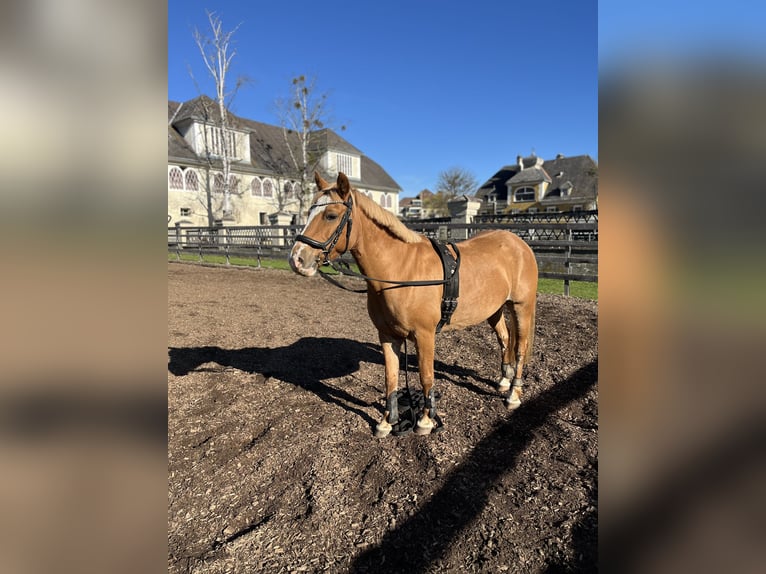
(565, 245)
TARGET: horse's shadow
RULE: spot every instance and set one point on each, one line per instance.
(309, 363)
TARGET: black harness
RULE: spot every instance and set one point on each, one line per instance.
(451, 267)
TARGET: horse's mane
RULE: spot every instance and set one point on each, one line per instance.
(386, 219)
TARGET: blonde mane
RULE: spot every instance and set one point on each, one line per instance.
(386, 219)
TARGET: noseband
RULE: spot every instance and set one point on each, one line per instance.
(328, 245)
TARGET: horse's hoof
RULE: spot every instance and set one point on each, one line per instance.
(382, 430)
(503, 385)
(512, 404)
(423, 429)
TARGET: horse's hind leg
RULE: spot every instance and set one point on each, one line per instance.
(505, 340)
(523, 317)
(391, 348)
(426, 342)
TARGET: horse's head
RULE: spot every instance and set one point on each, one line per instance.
(327, 233)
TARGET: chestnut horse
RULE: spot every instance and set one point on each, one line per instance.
(498, 271)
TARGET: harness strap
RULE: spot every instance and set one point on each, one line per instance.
(451, 267)
(342, 267)
(451, 281)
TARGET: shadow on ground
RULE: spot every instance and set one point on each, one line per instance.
(427, 535)
(309, 363)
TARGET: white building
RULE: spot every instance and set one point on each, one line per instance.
(262, 178)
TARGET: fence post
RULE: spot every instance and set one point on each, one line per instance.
(178, 242)
(227, 240)
(567, 262)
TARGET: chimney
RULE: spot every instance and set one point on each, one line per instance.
(520, 162)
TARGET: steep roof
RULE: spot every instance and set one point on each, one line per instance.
(269, 152)
(580, 171)
(178, 147)
(325, 139)
(530, 175)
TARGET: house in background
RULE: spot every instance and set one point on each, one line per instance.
(260, 168)
(417, 207)
(534, 185)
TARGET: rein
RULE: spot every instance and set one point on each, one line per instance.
(343, 268)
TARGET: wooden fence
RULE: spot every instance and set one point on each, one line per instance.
(566, 245)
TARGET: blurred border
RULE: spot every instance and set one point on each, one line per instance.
(83, 400)
(681, 292)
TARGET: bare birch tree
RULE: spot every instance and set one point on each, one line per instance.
(219, 139)
(301, 115)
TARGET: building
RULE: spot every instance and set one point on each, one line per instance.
(417, 207)
(263, 184)
(534, 185)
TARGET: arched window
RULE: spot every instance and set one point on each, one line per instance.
(287, 189)
(218, 183)
(175, 178)
(524, 194)
(191, 180)
(383, 199)
(233, 184)
(268, 188)
(256, 188)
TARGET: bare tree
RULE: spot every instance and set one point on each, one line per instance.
(450, 183)
(301, 116)
(456, 181)
(219, 139)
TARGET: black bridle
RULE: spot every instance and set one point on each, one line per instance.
(328, 245)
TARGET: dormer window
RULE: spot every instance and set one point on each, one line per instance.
(524, 194)
(213, 142)
(347, 164)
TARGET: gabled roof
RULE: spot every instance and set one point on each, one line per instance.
(529, 175)
(375, 176)
(580, 171)
(269, 151)
(325, 139)
(178, 147)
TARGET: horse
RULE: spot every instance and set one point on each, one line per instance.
(498, 271)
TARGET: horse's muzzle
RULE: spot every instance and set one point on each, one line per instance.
(303, 260)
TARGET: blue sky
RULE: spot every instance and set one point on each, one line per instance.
(422, 85)
(676, 29)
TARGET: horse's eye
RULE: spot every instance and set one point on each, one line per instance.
(331, 216)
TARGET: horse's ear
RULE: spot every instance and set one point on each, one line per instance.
(343, 186)
(321, 183)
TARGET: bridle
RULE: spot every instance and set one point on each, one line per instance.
(328, 245)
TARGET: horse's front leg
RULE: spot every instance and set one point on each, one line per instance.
(391, 347)
(425, 343)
